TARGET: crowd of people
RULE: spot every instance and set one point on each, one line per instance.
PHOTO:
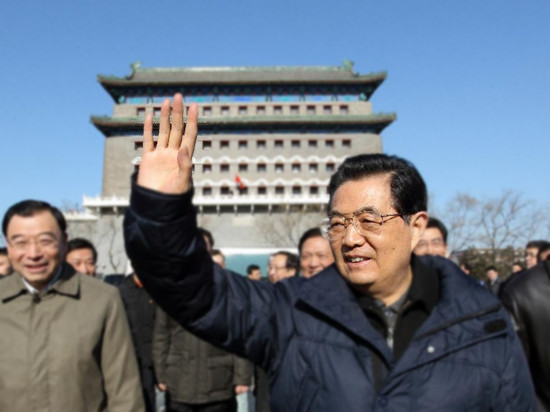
(369, 314)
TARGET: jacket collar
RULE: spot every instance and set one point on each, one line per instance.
(329, 294)
(68, 284)
(461, 299)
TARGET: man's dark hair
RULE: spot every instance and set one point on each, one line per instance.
(408, 190)
(520, 264)
(542, 250)
(308, 234)
(538, 244)
(438, 224)
(251, 268)
(292, 260)
(29, 208)
(208, 235)
(3, 251)
(81, 243)
(488, 268)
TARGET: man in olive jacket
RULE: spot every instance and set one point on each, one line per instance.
(193, 372)
(64, 338)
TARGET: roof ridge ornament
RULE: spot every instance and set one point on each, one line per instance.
(135, 66)
(348, 65)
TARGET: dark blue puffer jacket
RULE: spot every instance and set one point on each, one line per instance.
(313, 338)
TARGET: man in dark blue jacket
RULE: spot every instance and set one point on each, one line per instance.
(378, 330)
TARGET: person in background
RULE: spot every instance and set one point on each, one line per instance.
(282, 265)
(140, 310)
(527, 298)
(532, 250)
(82, 255)
(434, 239)
(517, 267)
(65, 344)
(253, 272)
(315, 253)
(218, 257)
(5, 263)
(493, 281)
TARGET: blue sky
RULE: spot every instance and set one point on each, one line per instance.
(469, 80)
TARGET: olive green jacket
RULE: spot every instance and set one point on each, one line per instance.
(193, 370)
(66, 349)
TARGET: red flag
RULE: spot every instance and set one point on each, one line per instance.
(239, 182)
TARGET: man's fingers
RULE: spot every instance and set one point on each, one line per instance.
(177, 122)
(164, 127)
(148, 143)
(191, 129)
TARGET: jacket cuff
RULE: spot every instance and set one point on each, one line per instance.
(159, 207)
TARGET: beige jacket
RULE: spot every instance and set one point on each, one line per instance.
(67, 349)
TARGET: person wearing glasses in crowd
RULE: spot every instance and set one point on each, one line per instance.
(433, 240)
(282, 265)
(380, 329)
(315, 253)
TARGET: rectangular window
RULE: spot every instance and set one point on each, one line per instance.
(207, 191)
(262, 190)
(313, 190)
(243, 191)
(224, 190)
(225, 110)
(296, 167)
(141, 111)
(243, 110)
(260, 144)
(278, 144)
(261, 168)
(207, 111)
(346, 143)
(243, 167)
(329, 143)
(295, 144)
(278, 110)
(330, 167)
(312, 143)
(279, 167)
(344, 110)
(224, 144)
(206, 144)
(224, 168)
(260, 110)
(156, 111)
(294, 110)
(206, 168)
(296, 190)
(311, 110)
(279, 190)
(243, 144)
(327, 109)
(313, 167)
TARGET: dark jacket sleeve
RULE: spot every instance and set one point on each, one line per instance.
(169, 255)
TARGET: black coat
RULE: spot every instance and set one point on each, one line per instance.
(527, 297)
(140, 309)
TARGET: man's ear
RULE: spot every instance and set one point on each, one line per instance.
(418, 223)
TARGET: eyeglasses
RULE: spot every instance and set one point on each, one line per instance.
(42, 243)
(365, 223)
